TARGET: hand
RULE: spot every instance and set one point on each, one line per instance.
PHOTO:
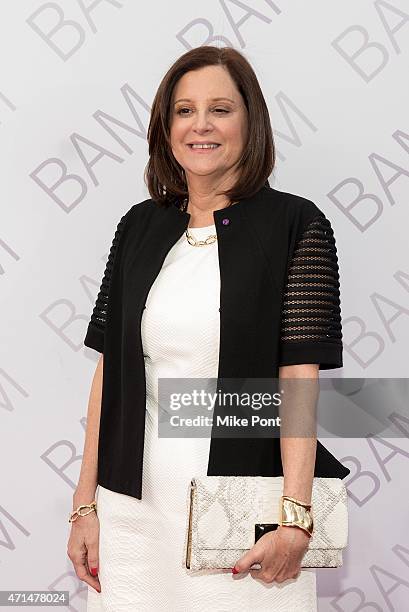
(83, 548)
(279, 553)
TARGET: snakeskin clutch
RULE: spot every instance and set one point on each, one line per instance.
(227, 514)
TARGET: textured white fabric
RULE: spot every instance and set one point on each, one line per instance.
(141, 541)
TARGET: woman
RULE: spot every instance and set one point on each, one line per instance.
(211, 148)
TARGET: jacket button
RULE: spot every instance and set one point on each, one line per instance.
(226, 221)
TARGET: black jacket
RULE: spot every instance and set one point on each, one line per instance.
(271, 314)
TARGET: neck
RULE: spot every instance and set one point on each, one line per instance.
(200, 218)
(205, 197)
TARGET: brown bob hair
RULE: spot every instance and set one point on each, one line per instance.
(164, 176)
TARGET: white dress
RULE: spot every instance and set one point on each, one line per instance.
(141, 541)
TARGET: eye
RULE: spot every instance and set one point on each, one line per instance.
(180, 111)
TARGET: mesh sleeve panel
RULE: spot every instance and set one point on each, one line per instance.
(95, 333)
(311, 329)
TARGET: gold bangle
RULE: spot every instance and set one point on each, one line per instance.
(92, 507)
(294, 513)
(298, 502)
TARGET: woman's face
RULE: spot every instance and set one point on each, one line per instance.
(207, 108)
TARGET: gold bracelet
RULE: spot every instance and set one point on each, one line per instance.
(92, 507)
(294, 513)
(297, 501)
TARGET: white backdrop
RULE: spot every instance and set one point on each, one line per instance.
(77, 80)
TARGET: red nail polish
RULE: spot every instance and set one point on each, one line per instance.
(94, 571)
(235, 571)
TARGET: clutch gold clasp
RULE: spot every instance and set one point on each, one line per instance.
(261, 528)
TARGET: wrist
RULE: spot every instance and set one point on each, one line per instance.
(83, 496)
(295, 528)
(82, 510)
(302, 496)
(294, 513)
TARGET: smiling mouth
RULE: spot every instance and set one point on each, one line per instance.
(204, 147)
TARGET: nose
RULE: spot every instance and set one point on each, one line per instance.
(202, 122)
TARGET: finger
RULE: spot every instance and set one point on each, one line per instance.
(83, 574)
(269, 568)
(282, 577)
(93, 558)
(276, 567)
(264, 575)
(289, 572)
(257, 574)
(247, 560)
(293, 570)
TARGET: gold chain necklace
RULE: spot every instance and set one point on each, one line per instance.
(191, 239)
(194, 242)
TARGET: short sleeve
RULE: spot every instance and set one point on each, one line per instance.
(311, 329)
(94, 337)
